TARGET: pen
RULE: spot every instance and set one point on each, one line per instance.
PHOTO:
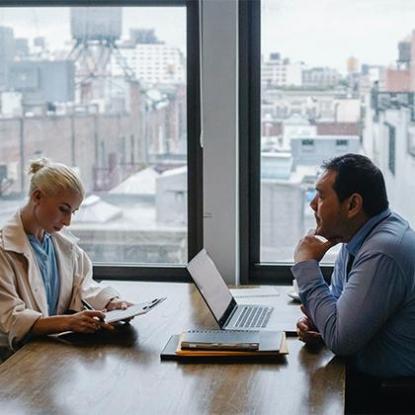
(154, 302)
(87, 305)
(221, 346)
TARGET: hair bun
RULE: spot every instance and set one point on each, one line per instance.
(36, 165)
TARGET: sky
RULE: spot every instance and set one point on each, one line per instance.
(317, 32)
(54, 23)
(327, 32)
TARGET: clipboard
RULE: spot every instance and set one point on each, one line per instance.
(135, 310)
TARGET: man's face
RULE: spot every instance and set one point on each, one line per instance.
(330, 214)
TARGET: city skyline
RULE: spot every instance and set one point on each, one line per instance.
(54, 23)
(366, 29)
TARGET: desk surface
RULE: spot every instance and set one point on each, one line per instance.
(124, 375)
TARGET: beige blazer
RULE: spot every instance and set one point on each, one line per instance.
(22, 292)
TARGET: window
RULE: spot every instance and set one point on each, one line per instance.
(411, 140)
(392, 149)
(307, 144)
(332, 101)
(71, 91)
(341, 144)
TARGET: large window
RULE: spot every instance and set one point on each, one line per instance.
(107, 91)
(324, 78)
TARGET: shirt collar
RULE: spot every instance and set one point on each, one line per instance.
(14, 238)
(33, 240)
(359, 237)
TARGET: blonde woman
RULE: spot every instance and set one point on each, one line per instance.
(43, 273)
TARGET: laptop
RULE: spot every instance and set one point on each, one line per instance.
(221, 303)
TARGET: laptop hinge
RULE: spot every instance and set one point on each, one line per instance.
(227, 313)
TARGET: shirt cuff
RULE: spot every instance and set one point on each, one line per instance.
(306, 271)
(100, 300)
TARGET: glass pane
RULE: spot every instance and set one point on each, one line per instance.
(337, 77)
(102, 89)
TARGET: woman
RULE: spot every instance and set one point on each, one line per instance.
(43, 273)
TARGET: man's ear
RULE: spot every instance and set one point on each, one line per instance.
(354, 205)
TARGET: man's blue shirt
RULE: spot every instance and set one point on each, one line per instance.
(369, 314)
(46, 259)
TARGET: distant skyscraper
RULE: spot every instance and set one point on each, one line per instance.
(22, 47)
(156, 63)
(281, 72)
(7, 51)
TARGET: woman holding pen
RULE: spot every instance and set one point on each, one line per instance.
(43, 272)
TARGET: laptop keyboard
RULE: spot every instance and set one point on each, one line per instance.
(253, 316)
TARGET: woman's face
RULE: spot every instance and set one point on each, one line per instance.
(52, 213)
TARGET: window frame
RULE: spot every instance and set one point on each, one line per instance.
(252, 270)
(162, 272)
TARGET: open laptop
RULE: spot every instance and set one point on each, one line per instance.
(228, 314)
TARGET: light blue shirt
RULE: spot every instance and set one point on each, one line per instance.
(370, 316)
(46, 260)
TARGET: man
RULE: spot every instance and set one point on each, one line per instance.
(368, 312)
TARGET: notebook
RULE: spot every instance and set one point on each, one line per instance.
(172, 351)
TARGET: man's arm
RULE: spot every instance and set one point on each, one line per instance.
(306, 330)
(374, 291)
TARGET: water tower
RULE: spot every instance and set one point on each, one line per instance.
(95, 31)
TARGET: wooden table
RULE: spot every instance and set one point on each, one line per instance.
(124, 374)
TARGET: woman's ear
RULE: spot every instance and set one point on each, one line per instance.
(36, 196)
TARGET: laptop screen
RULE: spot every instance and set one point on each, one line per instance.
(210, 283)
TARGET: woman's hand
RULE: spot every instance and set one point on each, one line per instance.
(116, 303)
(88, 321)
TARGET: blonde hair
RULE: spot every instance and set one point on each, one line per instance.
(52, 178)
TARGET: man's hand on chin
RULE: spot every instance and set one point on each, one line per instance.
(312, 247)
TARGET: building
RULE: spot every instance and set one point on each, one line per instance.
(154, 63)
(143, 219)
(311, 151)
(22, 48)
(104, 146)
(43, 82)
(278, 72)
(401, 76)
(7, 52)
(317, 105)
(393, 133)
(320, 77)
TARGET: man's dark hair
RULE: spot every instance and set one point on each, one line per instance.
(357, 174)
